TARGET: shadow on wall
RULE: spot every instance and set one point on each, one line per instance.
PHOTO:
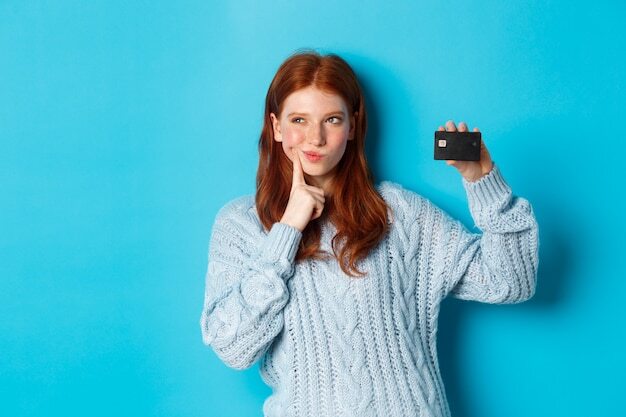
(372, 89)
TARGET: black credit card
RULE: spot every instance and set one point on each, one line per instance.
(459, 146)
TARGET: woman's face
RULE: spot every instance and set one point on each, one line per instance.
(314, 121)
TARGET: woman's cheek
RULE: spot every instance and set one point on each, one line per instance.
(287, 149)
(290, 142)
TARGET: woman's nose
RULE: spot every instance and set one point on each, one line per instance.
(316, 135)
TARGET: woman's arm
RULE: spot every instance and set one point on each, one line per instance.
(500, 264)
(246, 288)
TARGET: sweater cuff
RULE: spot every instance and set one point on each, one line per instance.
(490, 189)
(281, 242)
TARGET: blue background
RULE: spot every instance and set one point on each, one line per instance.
(126, 125)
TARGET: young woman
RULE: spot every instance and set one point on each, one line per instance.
(335, 282)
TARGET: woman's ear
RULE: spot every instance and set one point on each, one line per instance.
(352, 125)
(278, 137)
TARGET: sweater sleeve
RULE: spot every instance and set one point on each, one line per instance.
(245, 288)
(500, 264)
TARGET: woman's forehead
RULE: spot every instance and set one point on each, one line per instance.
(313, 97)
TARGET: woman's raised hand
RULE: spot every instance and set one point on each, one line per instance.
(306, 202)
(470, 170)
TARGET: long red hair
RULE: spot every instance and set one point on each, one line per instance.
(354, 206)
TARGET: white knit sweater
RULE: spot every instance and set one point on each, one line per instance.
(332, 345)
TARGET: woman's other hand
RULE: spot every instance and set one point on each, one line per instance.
(470, 170)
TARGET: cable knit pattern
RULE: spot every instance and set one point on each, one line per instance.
(332, 345)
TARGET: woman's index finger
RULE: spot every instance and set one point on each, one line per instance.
(298, 173)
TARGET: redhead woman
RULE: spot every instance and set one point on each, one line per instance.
(332, 282)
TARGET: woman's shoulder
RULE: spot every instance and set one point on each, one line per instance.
(241, 203)
(241, 209)
(403, 201)
(395, 193)
(388, 185)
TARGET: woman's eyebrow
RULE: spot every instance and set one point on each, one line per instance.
(327, 114)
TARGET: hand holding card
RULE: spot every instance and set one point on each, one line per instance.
(464, 150)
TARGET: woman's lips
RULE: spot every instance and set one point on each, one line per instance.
(313, 157)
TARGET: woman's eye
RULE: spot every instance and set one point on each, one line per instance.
(297, 120)
(335, 120)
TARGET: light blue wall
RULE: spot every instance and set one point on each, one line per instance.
(126, 125)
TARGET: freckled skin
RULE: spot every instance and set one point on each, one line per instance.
(313, 128)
